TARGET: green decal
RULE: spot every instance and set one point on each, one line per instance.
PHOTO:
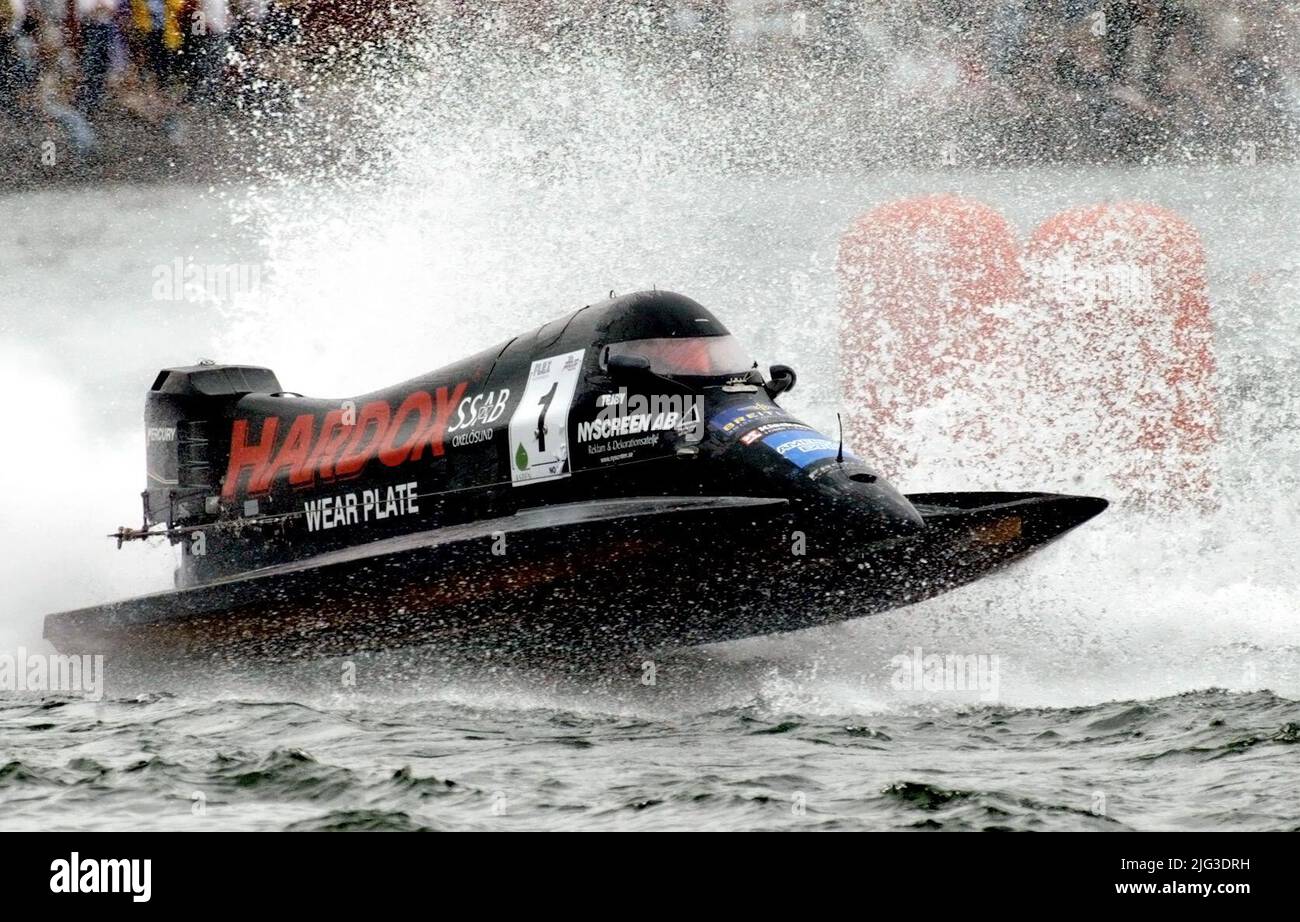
(521, 458)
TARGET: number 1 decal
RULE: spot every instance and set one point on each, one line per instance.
(545, 404)
(539, 428)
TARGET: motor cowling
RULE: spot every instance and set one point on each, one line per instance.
(182, 438)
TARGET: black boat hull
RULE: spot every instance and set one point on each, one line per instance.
(641, 573)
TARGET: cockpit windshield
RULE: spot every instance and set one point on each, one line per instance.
(695, 356)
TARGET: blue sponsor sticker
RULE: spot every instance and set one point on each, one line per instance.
(738, 418)
(802, 447)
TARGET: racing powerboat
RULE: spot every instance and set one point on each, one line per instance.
(621, 478)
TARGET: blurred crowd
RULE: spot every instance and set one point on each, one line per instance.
(69, 62)
(1089, 77)
(1002, 79)
(1057, 79)
(1066, 79)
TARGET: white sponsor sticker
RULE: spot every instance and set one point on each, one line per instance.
(539, 428)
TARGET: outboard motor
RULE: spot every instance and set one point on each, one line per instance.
(184, 458)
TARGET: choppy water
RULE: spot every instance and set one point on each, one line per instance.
(1209, 759)
(1148, 666)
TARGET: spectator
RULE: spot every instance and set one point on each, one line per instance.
(158, 36)
(206, 46)
(16, 75)
(97, 22)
